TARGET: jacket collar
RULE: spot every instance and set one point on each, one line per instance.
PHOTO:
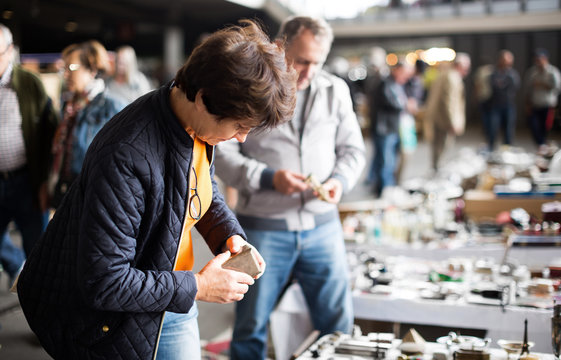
(172, 121)
(181, 138)
(7, 75)
(321, 80)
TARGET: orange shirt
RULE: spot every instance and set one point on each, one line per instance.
(201, 184)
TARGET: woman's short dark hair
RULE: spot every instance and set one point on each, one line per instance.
(242, 75)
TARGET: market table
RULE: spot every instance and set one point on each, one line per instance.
(290, 322)
(325, 349)
(498, 324)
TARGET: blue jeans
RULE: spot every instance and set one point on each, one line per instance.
(316, 259)
(385, 160)
(538, 124)
(179, 339)
(17, 204)
(489, 129)
(11, 256)
(502, 117)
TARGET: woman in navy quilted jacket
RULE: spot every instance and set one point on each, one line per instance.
(112, 276)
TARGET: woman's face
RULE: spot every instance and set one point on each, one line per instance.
(76, 75)
(214, 132)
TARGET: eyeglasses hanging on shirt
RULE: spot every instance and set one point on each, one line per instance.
(194, 199)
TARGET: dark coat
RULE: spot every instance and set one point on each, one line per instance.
(389, 101)
(97, 283)
(39, 123)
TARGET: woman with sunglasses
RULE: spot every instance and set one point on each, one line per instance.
(112, 277)
(86, 107)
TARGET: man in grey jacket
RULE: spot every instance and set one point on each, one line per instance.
(298, 234)
(542, 85)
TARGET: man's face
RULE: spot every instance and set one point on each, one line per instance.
(541, 61)
(464, 69)
(402, 74)
(6, 54)
(506, 60)
(307, 56)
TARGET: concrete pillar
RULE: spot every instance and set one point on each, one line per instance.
(174, 50)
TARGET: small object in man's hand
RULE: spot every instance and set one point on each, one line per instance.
(244, 261)
(317, 187)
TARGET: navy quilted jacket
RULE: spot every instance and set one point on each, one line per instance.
(97, 283)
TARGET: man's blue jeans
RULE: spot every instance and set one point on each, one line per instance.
(11, 256)
(316, 259)
(488, 127)
(385, 160)
(537, 121)
(179, 339)
(503, 117)
(17, 204)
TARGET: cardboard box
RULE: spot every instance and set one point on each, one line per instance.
(482, 205)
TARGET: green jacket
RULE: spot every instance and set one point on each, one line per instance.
(39, 123)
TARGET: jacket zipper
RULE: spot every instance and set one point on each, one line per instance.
(180, 237)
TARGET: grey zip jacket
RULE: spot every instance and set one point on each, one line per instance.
(331, 145)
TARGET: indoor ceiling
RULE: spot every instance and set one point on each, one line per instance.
(49, 25)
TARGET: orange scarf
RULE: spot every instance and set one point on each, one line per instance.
(202, 185)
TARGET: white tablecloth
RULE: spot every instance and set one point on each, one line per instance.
(291, 324)
(499, 325)
(532, 257)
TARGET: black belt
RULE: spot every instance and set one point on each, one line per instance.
(7, 175)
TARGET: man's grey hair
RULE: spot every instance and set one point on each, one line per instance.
(7, 34)
(462, 59)
(292, 26)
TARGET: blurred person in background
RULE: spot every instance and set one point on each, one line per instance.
(299, 235)
(415, 87)
(86, 107)
(127, 83)
(27, 126)
(377, 70)
(390, 103)
(446, 106)
(542, 84)
(505, 82)
(482, 93)
(113, 276)
(412, 120)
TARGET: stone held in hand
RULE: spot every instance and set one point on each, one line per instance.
(244, 261)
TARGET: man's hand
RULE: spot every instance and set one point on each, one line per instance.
(235, 243)
(288, 182)
(412, 106)
(334, 190)
(218, 285)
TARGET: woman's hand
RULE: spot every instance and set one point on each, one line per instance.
(219, 285)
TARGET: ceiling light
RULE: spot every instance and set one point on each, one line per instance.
(254, 4)
(71, 26)
(7, 14)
